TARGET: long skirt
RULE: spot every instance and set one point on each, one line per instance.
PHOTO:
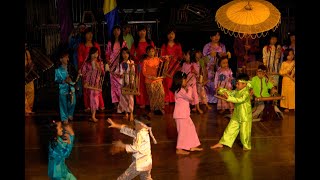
(29, 96)
(156, 95)
(115, 88)
(187, 134)
(143, 98)
(126, 103)
(169, 95)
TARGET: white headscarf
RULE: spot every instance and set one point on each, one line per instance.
(149, 129)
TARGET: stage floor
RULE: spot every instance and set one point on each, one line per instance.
(272, 156)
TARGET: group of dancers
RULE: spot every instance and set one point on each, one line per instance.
(145, 75)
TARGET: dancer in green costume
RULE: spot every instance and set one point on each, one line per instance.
(241, 120)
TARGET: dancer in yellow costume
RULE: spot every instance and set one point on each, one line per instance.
(241, 120)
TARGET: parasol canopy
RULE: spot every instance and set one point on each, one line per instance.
(241, 18)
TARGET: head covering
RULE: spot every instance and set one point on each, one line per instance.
(146, 123)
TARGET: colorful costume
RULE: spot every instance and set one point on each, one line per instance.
(136, 53)
(154, 87)
(288, 85)
(260, 89)
(57, 169)
(83, 52)
(187, 134)
(141, 157)
(192, 79)
(223, 79)
(212, 66)
(176, 52)
(241, 119)
(93, 80)
(113, 56)
(126, 103)
(67, 95)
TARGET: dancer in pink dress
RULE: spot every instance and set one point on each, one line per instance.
(187, 135)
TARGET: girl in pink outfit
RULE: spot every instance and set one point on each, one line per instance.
(191, 68)
(187, 135)
(93, 77)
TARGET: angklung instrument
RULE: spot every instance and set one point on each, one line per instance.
(162, 68)
(174, 65)
(131, 80)
(94, 79)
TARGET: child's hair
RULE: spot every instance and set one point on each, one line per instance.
(286, 53)
(243, 76)
(221, 59)
(262, 67)
(144, 119)
(193, 55)
(148, 48)
(53, 133)
(177, 81)
(215, 32)
(124, 49)
(92, 50)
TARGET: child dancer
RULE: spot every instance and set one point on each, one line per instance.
(59, 150)
(187, 134)
(223, 78)
(153, 83)
(141, 148)
(67, 97)
(127, 68)
(260, 87)
(93, 74)
(191, 68)
(287, 70)
(203, 76)
(241, 120)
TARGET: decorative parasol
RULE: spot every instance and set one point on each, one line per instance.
(244, 18)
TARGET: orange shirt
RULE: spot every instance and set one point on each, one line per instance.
(150, 68)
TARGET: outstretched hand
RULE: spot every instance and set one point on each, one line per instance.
(112, 124)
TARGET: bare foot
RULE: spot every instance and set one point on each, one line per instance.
(94, 119)
(196, 149)
(200, 111)
(209, 107)
(246, 149)
(286, 110)
(218, 145)
(181, 151)
(194, 110)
